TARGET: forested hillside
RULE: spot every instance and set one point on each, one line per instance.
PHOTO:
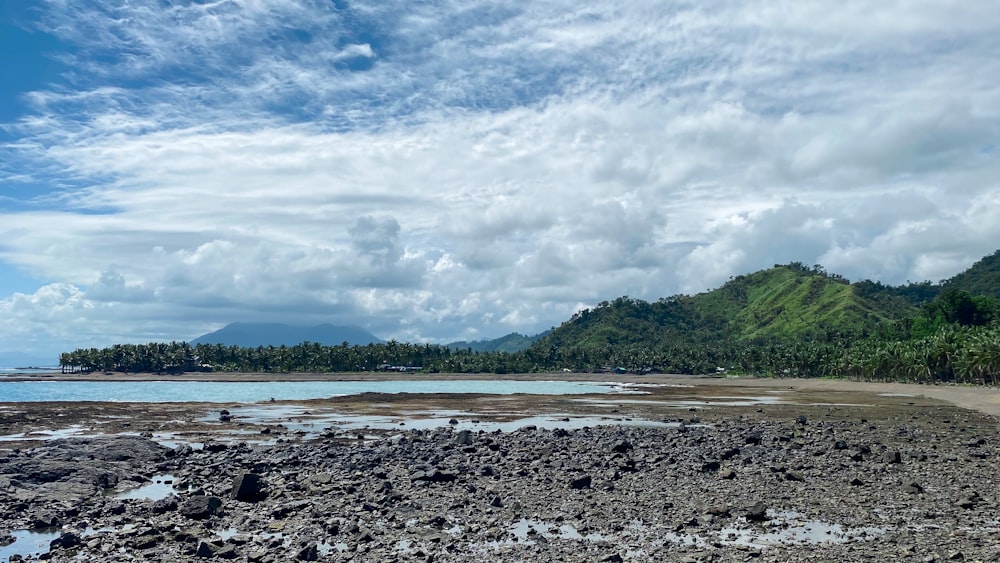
(513, 342)
(983, 278)
(789, 320)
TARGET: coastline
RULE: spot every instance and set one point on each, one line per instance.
(983, 399)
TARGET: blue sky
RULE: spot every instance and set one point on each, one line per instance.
(438, 171)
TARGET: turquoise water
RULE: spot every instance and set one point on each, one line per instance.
(251, 392)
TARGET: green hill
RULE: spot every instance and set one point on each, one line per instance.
(983, 278)
(783, 303)
(793, 300)
(513, 342)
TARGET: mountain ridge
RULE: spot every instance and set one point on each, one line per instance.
(252, 335)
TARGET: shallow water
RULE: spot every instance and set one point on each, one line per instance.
(304, 420)
(256, 391)
(28, 543)
(159, 487)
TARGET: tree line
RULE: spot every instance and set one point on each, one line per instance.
(954, 338)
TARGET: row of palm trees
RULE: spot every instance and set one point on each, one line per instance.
(952, 354)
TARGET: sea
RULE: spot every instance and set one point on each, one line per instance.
(256, 391)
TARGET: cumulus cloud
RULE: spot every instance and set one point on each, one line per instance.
(438, 171)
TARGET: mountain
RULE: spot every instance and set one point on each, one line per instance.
(793, 300)
(513, 342)
(785, 302)
(252, 335)
(982, 278)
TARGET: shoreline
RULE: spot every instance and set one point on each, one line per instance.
(978, 398)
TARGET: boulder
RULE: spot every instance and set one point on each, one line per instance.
(200, 507)
(248, 487)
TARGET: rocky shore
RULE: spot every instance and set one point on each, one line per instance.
(792, 483)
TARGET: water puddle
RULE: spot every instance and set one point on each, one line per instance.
(310, 424)
(28, 544)
(160, 487)
(748, 401)
(523, 530)
(782, 528)
(74, 431)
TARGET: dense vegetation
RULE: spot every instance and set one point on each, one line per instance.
(789, 320)
(513, 342)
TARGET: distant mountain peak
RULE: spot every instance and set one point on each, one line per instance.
(252, 335)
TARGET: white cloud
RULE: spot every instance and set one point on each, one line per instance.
(436, 171)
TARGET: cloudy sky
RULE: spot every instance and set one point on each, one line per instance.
(438, 170)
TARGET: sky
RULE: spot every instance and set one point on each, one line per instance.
(436, 171)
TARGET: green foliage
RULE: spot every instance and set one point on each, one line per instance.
(983, 278)
(513, 342)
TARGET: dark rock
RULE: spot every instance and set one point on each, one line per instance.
(913, 488)
(65, 540)
(308, 553)
(794, 476)
(200, 507)
(44, 521)
(710, 466)
(463, 438)
(621, 447)
(248, 487)
(435, 476)
(581, 482)
(893, 457)
(206, 549)
(164, 505)
(757, 512)
(970, 501)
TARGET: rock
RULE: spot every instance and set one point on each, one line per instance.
(727, 474)
(794, 476)
(164, 505)
(206, 549)
(757, 512)
(913, 488)
(308, 553)
(248, 487)
(710, 466)
(613, 558)
(435, 476)
(581, 482)
(893, 457)
(65, 540)
(464, 438)
(621, 447)
(200, 507)
(970, 501)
